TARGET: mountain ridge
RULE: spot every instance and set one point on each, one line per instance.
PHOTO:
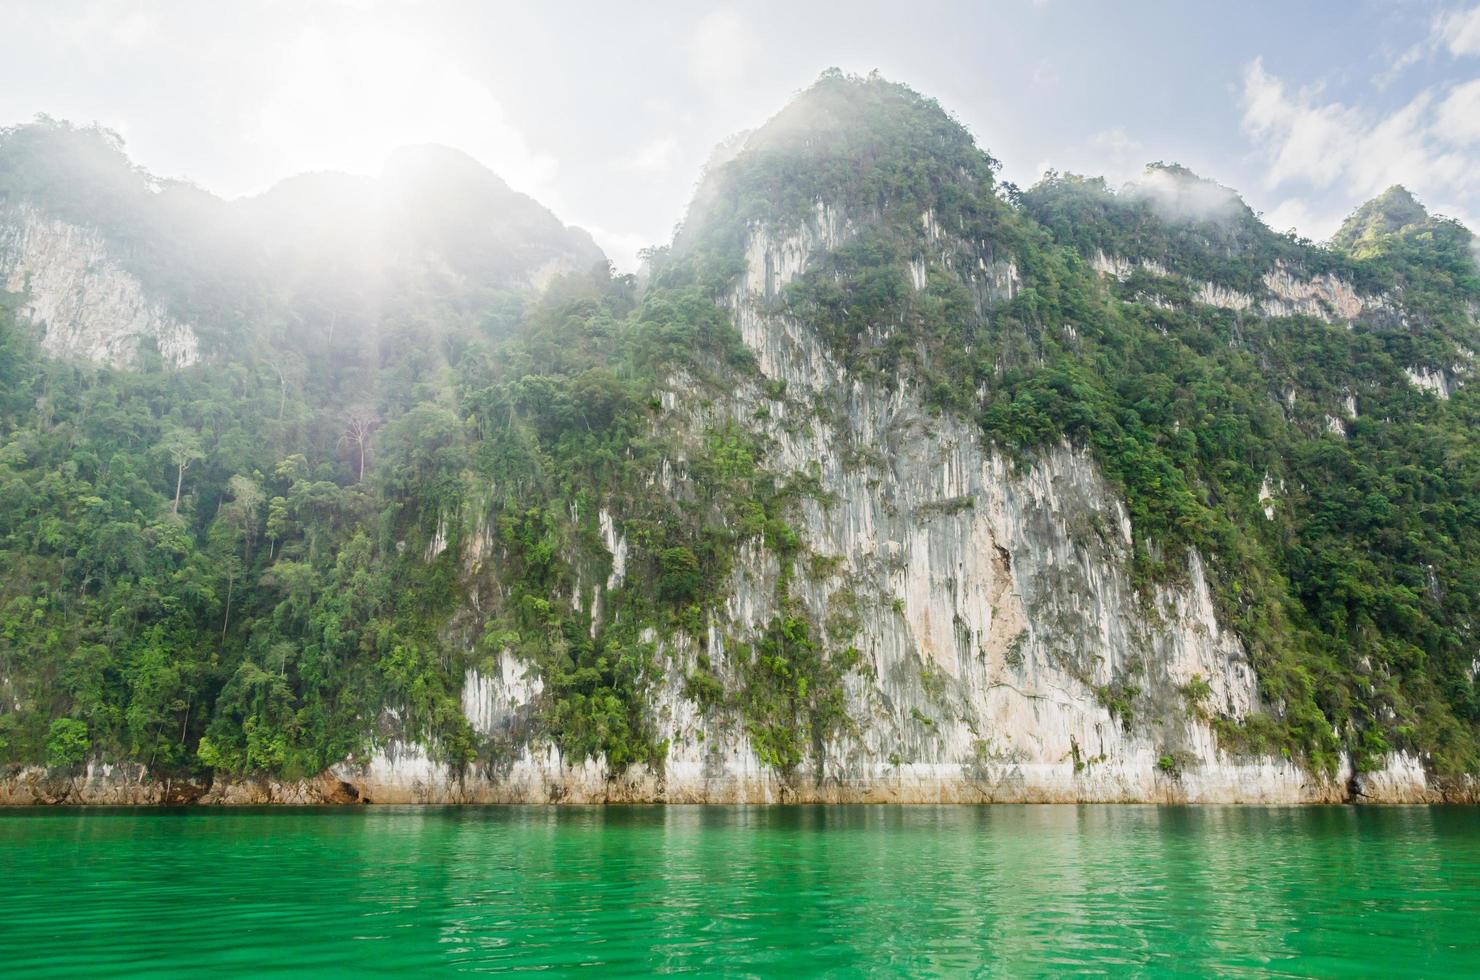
(890, 482)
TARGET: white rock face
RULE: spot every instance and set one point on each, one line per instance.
(1437, 383)
(1221, 296)
(1266, 497)
(1402, 779)
(408, 774)
(992, 608)
(86, 304)
(617, 545)
(493, 703)
(770, 263)
(990, 604)
(1323, 296)
(1118, 267)
(438, 544)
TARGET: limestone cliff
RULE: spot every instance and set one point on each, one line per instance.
(1006, 656)
(85, 303)
(885, 483)
(991, 603)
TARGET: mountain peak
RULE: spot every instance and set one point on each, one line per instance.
(1386, 214)
(435, 164)
(862, 143)
(840, 110)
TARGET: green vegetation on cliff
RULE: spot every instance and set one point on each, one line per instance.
(1354, 598)
(297, 548)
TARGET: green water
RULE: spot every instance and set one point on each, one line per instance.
(1031, 890)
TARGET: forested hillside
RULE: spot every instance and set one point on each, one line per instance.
(427, 434)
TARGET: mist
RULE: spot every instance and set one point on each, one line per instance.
(1180, 196)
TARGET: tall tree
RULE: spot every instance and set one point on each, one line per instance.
(183, 448)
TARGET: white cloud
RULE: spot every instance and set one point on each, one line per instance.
(1301, 138)
(1298, 215)
(1459, 31)
(1454, 31)
(1177, 197)
(1308, 140)
(1407, 59)
(1458, 119)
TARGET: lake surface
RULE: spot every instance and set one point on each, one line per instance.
(1011, 890)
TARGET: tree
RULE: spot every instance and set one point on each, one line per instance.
(679, 577)
(182, 448)
(240, 512)
(66, 742)
(238, 522)
(359, 423)
(279, 522)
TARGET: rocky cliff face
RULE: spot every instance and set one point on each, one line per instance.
(991, 603)
(1006, 655)
(987, 624)
(86, 305)
(1322, 296)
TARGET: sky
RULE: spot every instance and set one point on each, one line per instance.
(606, 112)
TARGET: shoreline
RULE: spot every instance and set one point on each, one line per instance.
(391, 780)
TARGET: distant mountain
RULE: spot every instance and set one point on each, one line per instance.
(165, 260)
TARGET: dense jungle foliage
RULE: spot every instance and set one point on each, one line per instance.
(293, 550)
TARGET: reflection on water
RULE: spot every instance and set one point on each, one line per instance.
(918, 890)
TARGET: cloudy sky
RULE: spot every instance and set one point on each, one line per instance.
(605, 111)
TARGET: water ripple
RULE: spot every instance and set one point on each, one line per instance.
(746, 891)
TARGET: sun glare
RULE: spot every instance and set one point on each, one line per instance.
(347, 99)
